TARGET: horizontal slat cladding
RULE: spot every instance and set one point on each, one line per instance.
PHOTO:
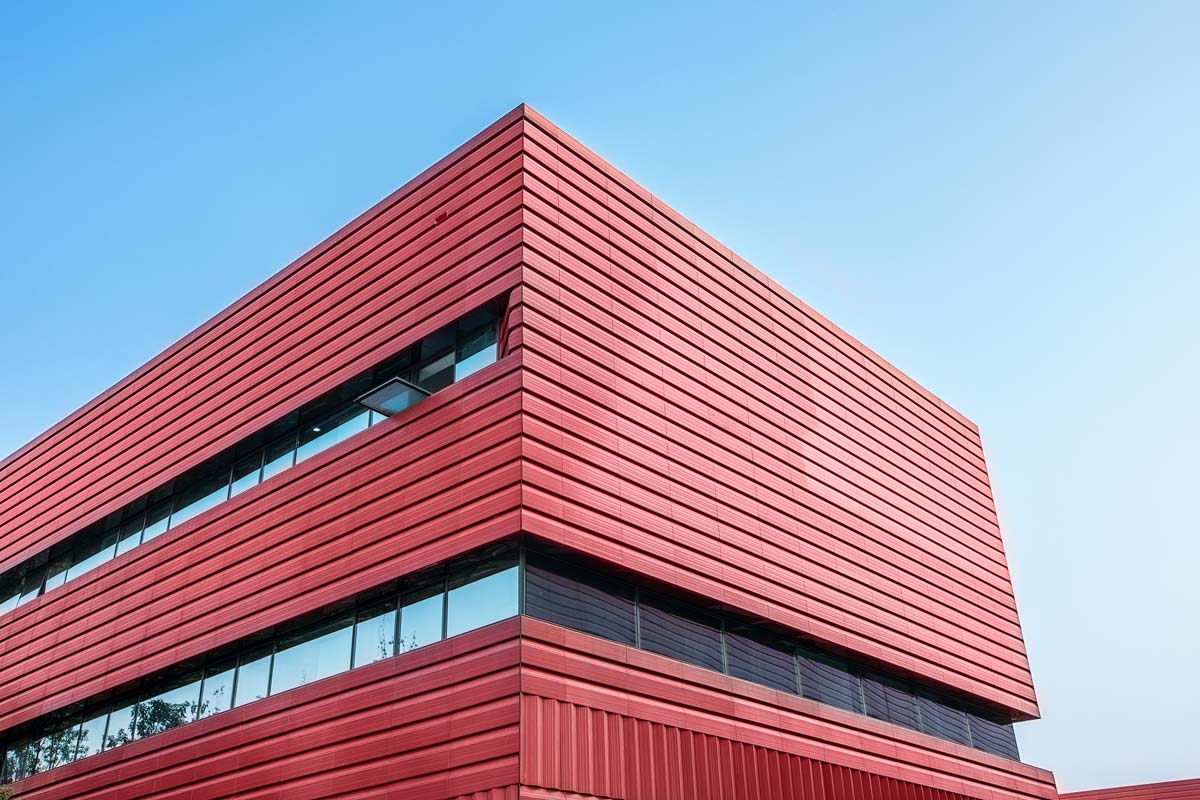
(395, 274)
(1167, 790)
(435, 723)
(688, 415)
(434, 481)
(603, 719)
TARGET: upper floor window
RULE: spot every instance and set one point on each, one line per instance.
(440, 359)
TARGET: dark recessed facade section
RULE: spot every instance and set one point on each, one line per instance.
(587, 596)
(888, 700)
(753, 656)
(938, 719)
(675, 630)
(581, 600)
(829, 680)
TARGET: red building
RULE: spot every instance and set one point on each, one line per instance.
(1168, 790)
(625, 519)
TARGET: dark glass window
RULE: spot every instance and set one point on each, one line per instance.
(92, 554)
(21, 760)
(332, 429)
(568, 597)
(120, 727)
(58, 747)
(481, 595)
(436, 370)
(476, 344)
(91, 736)
(994, 737)
(156, 520)
(890, 701)
(216, 693)
(677, 631)
(280, 455)
(9, 595)
(421, 615)
(131, 534)
(828, 680)
(311, 656)
(168, 709)
(940, 720)
(201, 493)
(752, 659)
(246, 472)
(253, 677)
(375, 634)
(31, 584)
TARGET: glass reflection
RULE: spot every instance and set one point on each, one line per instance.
(375, 634)
(253, 677)
(216, 694)
(421, 619)
(482, 602)
(91, 736)
(326, 653)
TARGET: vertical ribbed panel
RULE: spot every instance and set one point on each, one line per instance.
(579, 750)
(1168, 790)
(603, 718)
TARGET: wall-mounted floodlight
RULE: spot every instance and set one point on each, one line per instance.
(392, 397)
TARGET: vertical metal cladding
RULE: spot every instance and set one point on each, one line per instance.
(688, 418)
(657, 404)
(600, 718)
(1166, 790)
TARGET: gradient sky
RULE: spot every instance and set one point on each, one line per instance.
(1002, 199)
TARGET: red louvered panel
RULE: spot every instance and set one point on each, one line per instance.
(599, 717)
(691, 420)
(433, 724)
(1167, 790)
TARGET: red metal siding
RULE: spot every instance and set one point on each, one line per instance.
(1168, 790)
(432, 724)
(688, 418)
(600, 718)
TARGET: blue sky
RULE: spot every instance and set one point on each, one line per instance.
(1003, 200)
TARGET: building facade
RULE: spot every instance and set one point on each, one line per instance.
(518, 486)
(1167, 790)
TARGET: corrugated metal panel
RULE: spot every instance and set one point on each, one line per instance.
(1167, 790)
(690, 419)
(606, 719)
(432, 724)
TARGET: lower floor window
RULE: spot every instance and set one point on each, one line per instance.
(477, 590)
